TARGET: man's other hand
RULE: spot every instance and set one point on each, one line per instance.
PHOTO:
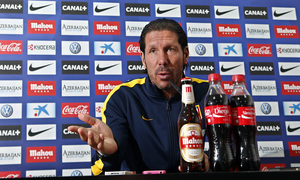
(99, 136)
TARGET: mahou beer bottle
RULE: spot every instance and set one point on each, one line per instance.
(190, 131)
(218, 126)
(244, 126)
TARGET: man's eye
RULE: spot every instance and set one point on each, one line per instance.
(171, 49)
(152, 50)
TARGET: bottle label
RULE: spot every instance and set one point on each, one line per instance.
(188, 94)
(243, 116)
(218, 114)
(191, 143)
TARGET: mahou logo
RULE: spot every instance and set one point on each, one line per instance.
(133, 49)
(107, 28)
(191, 142)
(41, 88)
(228, 30)
(41, 27)
(294, 148)
(41, 154)
(286, 31)
(227, 86)
(290, 87)
(259, 50)
(11, 47)
(73, 109)
(104, 87)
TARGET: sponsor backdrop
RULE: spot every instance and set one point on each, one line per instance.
(60, 58)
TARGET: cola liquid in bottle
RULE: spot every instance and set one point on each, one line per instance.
(244, 126)
(218, 126)
(190, 131)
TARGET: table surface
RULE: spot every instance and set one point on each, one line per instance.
(266, 175)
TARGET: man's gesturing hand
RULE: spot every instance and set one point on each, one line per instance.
(99, 136)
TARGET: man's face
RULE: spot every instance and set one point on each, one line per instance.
(164, 58)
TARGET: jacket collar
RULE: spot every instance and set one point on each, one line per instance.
(154, 92)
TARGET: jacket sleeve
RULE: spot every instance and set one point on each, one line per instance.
(114, 115)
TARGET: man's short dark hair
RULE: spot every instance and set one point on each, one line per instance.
(160, 25)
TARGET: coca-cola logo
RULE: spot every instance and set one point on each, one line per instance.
(11, 47)
(261, 50)
(266, 167)
(10, 174)
(74, 109)
(133, 49)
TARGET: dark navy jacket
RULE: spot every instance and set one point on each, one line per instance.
(144, 124)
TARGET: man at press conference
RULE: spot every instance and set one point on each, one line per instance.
(139, 130)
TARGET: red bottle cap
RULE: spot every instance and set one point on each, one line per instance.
(214, 77)
(238, 77)
(186, 78)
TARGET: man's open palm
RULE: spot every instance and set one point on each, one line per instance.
(99, 136)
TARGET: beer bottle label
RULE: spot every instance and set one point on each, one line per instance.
(243, 116)
(187, 94)
(218, 114)
(191, 143)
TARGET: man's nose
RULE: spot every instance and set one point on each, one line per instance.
(163, 58)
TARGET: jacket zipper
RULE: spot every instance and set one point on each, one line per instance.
(172, 154)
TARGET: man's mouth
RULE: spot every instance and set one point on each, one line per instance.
(164, 75)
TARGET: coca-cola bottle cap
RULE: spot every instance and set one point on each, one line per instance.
(214, 77)
(238, 77)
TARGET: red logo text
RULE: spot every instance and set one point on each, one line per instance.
(73, 109)
(11, 47)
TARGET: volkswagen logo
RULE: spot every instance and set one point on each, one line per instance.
(76, 173)
(200, 49)
(6, 110)
(75, 47)
(266, 108)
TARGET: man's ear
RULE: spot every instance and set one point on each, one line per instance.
(143, 60)
(186, 55)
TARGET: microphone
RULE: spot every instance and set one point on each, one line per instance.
(175, 86)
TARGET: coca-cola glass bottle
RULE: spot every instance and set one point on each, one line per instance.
(190, 131)
(218, 126)
(244, 126)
